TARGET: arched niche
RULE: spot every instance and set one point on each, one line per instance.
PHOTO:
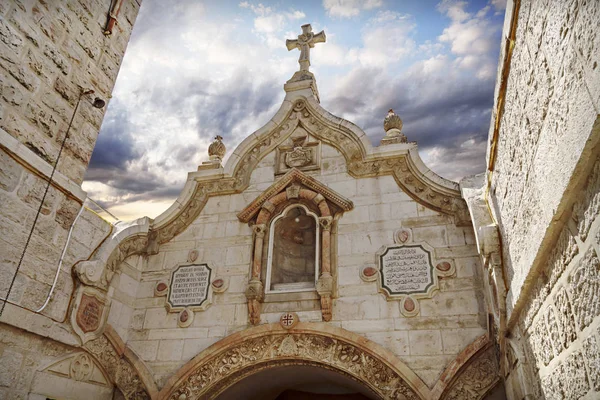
(294, 190)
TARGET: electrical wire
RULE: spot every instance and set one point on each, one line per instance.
(14, 278)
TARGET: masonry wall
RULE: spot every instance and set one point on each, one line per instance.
(446, 324)
(545, 194)
(558, 338)
(49, 52)
(547, 129)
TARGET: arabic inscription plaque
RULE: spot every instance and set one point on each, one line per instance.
(406, 270)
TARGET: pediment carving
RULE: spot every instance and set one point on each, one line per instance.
(80, 367)
(286, 184)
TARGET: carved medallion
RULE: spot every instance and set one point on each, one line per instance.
(220, 285)
(160, 289)
(402, 236)
(90, 311)
(185, 318)
(298, 157)
(81, 367)
(289, 320)
(368, 273)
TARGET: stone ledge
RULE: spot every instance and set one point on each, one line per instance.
(36, 164)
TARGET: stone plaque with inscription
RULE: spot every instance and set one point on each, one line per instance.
(189, 287)
(90, 312)
(406, 270)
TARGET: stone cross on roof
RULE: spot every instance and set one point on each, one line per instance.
(304, 43)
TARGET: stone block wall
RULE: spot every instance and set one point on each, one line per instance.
(427, 343)
(552, 101)
(545, 195)
(49, 52)
(21, 192)
(557, 347)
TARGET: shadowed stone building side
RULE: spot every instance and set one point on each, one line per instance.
(50, 53)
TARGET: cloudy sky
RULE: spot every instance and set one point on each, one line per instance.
(195, 69)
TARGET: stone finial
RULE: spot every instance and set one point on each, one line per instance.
(216, 150)
(392, 121)
(393, 129)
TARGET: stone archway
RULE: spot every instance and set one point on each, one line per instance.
(310, 344)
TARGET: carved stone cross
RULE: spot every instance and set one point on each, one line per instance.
(304, 43)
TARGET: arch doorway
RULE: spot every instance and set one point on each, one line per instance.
(310, 360)
(297, 382)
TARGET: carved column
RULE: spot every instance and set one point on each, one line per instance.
(254, 292)
(325, 282)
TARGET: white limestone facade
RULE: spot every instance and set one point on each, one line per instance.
(390, 190)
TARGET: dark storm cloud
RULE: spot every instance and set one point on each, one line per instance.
(434, 111)
(438, 110)
(236, 100)
(114, 146)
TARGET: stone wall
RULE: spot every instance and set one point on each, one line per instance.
(557, 346)
(545, 195)
(552, 101)
(49, 52)
(31, 369)
(427, 343)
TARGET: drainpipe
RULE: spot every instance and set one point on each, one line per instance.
(113, 13)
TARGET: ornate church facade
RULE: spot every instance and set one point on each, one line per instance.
(310, 264)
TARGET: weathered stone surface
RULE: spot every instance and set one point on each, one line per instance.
(566, 321)
(587, 209)
(10, 172)
(575, 383)
(585, 289)
(591, 349)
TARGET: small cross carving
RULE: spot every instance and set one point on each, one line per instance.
(304, 43)
(288, 320)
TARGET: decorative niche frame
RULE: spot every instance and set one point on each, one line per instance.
(294, 189)
(271, 249)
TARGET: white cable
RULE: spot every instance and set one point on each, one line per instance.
(62, 256)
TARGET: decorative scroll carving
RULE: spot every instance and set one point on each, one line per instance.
(215, 373)
(476, 379)
(119, 370)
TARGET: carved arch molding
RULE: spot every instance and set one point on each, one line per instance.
(122, 366)
(242, 355)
